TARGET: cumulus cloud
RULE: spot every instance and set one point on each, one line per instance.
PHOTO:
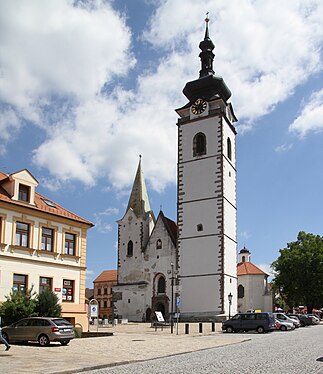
(60, 63)
(311, 116)
(102, 223)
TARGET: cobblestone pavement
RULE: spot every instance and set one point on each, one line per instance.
(132, 342)
(294, 352)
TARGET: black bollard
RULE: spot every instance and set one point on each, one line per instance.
(187, 328)
(200, 327)
(213, 327)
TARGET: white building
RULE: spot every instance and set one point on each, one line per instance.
(146, 254)
(204, 255)
(41, 245)
(207, 194)
(254, 291)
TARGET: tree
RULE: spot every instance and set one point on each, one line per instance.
(299, 272)
(48, 304)
(18, 305)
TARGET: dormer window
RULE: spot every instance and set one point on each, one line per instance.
(24, 193)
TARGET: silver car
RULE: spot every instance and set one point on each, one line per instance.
(41, 329)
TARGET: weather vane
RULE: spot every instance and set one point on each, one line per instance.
(207, 17)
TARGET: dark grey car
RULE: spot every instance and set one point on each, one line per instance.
(41, 329)
(260, 322)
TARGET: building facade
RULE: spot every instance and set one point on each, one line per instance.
(103, 293)
(202, 253)
(254, 291)
(206, 194)
(41, 245)
(146, 258)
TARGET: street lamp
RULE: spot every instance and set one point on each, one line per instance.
(230, 302)
(173, 274)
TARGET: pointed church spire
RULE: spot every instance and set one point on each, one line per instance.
(206, 55)
(138, 200)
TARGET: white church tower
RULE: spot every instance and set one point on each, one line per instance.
(206, 199)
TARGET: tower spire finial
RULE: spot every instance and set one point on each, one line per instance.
(207, 19)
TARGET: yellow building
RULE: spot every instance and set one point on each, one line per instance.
(41, 245)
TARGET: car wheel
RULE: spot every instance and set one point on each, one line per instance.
(260, 330)
(302, 324)
(43, 340)
(64, 342)
(5, 336)
(229, 329)
(283, 328)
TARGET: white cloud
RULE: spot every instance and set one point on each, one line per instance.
(283, 148)
(101, 223)
(55, 59)
(245, 235)
(311, 117)
(267, 269)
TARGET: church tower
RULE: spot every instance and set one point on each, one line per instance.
(206, 195)
(134, 230)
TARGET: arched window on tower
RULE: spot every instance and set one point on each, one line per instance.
(161, 285)
(130, 248)
(240, 292)
(199, 144)
(159, 244)
(229, 149)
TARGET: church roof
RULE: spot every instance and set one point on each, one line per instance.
(138, 200)
(248, 268)
(107, 276)
(42, 203)
(171, 227)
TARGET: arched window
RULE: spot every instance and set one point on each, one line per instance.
(229, 149)
(240, 292)
(159, 244)
(130, 248)
(243, 258)
(199, 144)
(161, 286)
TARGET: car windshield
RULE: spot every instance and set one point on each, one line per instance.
(61, 322)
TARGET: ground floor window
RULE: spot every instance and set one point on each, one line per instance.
(44, 283)
(19, 283)
(68, 290)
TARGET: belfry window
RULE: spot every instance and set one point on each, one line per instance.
(199, 144)
(229, 149)
(130, 249)
(159, 244)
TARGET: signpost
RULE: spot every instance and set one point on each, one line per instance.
(94, 311)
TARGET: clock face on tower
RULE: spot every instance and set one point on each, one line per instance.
(199, 107)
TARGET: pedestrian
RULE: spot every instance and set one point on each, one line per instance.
(3, 340)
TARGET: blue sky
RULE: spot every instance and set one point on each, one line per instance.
(87, 86)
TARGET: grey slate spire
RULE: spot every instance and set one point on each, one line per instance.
(138, 200)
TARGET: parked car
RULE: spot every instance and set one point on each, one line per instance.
(260, 322)
(283, 318)
(284, 325)
(315, 319)
(41, 329)
(304, 319)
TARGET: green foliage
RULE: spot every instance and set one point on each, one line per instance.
(47, 304)
(299, 271)
(18, 305)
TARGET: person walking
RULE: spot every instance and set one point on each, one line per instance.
(3, 340)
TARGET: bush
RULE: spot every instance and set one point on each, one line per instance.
(18, 305)
(47, 304)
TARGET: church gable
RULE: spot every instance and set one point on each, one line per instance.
(162, 241)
